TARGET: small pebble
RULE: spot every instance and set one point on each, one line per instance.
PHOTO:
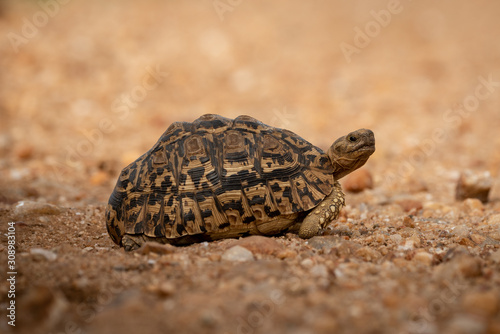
(237, 254)
(324, 242)
(380, 238)
(43, 219)
(319, 270)
(396, 238)
(416, 241)
(307, 263)
(24, 152)
(473, 206)
(287, 254)
(26, 208)
(40, 254)
(258, 244)
(166, 288)
(433, 206)
(474, 185)
(358, 181)
(214, 257)
(495, 235)
(423, 258)
(408, 222)
(87, 249)
(461, 231)
(477, 238)
(163, 289)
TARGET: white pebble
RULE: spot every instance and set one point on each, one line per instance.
(237, 254)
(43, 254)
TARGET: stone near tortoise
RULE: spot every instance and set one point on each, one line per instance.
(474, 185)
(220, 178)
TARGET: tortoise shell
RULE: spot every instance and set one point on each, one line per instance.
(217, 175)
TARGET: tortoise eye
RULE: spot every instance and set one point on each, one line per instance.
(352, 139)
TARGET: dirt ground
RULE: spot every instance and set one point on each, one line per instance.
(88, 86)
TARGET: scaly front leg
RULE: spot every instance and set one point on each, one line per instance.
(322, 215)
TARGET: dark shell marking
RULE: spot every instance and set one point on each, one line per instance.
(206, 179)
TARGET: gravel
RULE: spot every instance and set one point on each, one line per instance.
(237, 254)
(96, 86)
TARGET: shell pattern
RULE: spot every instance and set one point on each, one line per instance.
(214, 175)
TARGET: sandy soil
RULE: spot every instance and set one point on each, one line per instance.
(88, 86)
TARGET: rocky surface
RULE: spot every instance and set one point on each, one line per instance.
(474, 185)
(93, 85)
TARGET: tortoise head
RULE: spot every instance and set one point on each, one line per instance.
(350, 152)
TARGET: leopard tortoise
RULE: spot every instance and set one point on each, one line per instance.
(220, 178)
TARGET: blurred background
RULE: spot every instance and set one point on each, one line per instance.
(88, 86)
